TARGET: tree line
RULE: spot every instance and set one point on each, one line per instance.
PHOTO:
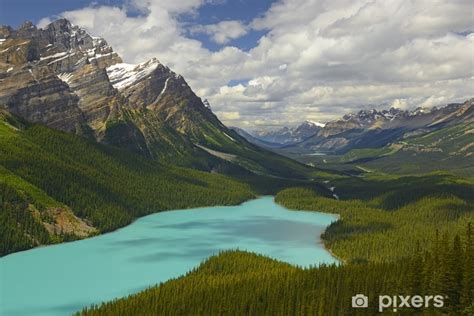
(104, 185)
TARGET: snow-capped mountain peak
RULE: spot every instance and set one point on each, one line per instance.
(289, 135)
(313, 123)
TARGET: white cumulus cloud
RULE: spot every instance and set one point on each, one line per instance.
(222, 32)
(318, 58)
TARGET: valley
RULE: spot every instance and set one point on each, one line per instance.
(393, 140)
(122, 177)
(43, 169)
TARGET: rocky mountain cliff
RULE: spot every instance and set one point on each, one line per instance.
(36, 66)
(65, 78)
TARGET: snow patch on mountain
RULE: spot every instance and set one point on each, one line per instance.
(57, 55)
(318, 124)
(68, 55)
(124, 75)
(158, 98)
(229, 137)
(206, 104)
(97, 56)
(65, 76)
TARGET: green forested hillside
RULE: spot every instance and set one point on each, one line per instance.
(396, 236)
(387, 218)
(450, 148)
(239, 283)
(15, 212)
(104, 186)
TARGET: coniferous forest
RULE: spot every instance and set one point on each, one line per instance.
(43, 169)
(240, 283)
(396, 236)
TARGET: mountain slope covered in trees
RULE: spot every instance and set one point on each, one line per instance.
(449, 148)
(396, 236)
(56, 186)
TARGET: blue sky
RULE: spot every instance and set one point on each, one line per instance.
(242, 10)
(279, 62)
(15, 12)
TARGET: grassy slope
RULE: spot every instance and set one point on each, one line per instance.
(104, 185)
(19, 229)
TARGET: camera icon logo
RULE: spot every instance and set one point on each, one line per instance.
(360, 301)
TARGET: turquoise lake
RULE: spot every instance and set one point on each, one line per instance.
(62, 279)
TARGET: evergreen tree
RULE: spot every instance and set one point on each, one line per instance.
(467, 295)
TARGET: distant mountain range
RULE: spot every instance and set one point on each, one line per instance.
(365, 129)
(62, 77)
(282, 136)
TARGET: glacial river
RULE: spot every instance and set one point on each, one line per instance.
(62, 279)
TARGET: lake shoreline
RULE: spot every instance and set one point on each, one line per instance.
(323, 241)
(131, 223)
(156, 248)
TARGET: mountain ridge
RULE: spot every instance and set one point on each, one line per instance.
(283, 136)
(374, 129)
(65, 78)
(56, 186)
